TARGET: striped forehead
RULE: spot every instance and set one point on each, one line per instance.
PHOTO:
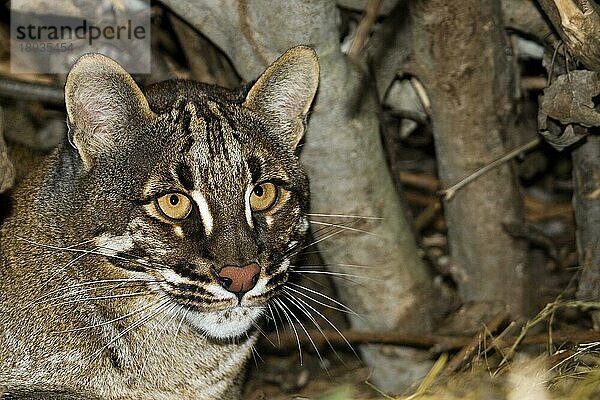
(213, 168)
(213, 156)
(214, 132)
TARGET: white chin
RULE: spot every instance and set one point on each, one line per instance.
(225, 324)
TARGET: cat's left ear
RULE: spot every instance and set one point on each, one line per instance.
(285, 91)
(104, 106)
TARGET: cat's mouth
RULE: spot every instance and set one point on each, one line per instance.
(226, 324)
(217, 312)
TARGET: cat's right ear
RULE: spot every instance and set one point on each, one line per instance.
(285, 90)
(103, 102)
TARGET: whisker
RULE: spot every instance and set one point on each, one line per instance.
(305, 273)
(81, 243)
(262, 332)
(304, 329)
(275, 323)
(299, 304)
(133, 258)
(98, 298)
(325, 230)
(152, 348)
(348, 228)
(99, 282)
(279, 304)
(324, 317)
(328, 298)
(343, 265)
(347, 276)
(88, 289)
(254, 352)
(64, 267)
(188, 308)
(317, 241)
(343, 216)
(319, 302)
(310, 252)
(106, 322)
(159, 308)
(75, 250)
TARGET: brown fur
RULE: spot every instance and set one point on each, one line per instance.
(89, 214)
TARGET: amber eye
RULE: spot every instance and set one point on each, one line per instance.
(175, 205)
(264, 196)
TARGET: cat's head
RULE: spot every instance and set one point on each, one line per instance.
(194, 186)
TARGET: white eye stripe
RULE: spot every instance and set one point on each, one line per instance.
(204, 210)
(247, 206)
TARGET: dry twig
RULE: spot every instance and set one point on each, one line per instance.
(448, 193)
(364, 28)
(467, 351)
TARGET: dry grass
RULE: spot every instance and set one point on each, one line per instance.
(511, 372)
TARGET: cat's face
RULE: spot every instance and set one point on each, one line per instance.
(198, 191)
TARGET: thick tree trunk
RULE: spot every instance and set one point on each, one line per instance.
(345, 162)
(7, 172)
(460, 55)
(586, 201)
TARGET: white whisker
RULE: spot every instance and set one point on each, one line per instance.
(279, 304)
(348, 228)
(347, 276)
(314, 242)
(98, 298)
(342, 216)
(320, 302)
(330, 324)
(345, 308)
(351, 266)
(74, 293)
(254, 352)
(74, 250)
(97, 282)
(304, 329)
(107, 322)
(299, 304)
(152, 348)
(188, 308)
(67, 265)
(275, 323)
(159, 308)
(259, 329)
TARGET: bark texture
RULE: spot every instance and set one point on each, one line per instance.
(460, 55)
(586, 201)
(345, 161)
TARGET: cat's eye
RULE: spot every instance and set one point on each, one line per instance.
(264, 196)
(175, 205)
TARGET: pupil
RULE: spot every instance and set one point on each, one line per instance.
(174, 199)
(258, 191)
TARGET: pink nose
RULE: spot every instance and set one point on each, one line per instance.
(239, 280)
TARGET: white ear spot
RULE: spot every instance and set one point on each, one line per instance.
(205, 214)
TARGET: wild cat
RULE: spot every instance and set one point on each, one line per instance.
(178, 206)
